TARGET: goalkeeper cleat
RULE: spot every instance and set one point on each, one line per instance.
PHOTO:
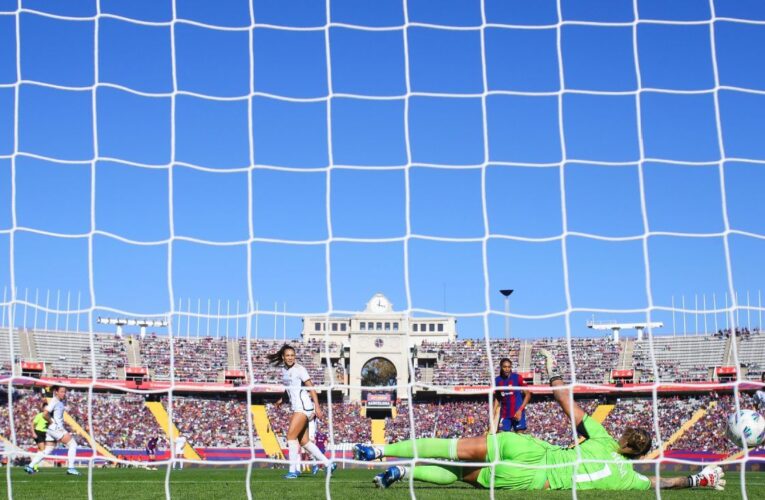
(72, 471)
(366, 453)
(292, 475)
(710, 476)
(390, 476)
(29, 470)
(331, 469)
(551, 366)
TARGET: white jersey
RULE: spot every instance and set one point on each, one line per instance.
(180, 444)
(293, 380)
(759, 396)
(55, 409)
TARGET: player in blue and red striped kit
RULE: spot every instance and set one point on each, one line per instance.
(510, 401)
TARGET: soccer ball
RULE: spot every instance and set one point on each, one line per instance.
(746, 426)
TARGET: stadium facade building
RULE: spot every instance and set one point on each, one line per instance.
(378, 343)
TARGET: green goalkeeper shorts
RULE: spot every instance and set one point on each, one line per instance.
(525, 452)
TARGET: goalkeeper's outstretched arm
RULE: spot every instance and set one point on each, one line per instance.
(711, 476)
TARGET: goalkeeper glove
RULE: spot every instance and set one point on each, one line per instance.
(710, 476)
(551, 366)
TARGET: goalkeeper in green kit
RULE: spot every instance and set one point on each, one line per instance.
(523, 462)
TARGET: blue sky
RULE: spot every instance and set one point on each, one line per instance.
(378, 156)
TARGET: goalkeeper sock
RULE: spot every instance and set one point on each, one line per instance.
(426, 448)
(294, 455)
(316, 453)
(435, 474)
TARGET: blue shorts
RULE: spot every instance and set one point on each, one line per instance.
(512, 425)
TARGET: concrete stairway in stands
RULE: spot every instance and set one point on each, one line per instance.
(682, 430)
(233, 362)
(133, 350)
(163, 419)
(266, 431)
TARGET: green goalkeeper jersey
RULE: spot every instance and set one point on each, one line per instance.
(615, 474)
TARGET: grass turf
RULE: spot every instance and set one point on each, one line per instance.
(229, 483)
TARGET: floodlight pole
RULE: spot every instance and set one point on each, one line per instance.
(143, 323)
(507, 292)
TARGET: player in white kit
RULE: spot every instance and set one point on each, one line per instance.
(305, 408)
(180, 445)
(54, 414)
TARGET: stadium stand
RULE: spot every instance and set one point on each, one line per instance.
(639, 412)
(751, 354)
(679, 359)
(68, 354)
(458, 363)
(196, 360)
(211, 422)
(309, 355)
(593, 358)
(708, 435)
(349, 426)
(464, 362)
(6, 361)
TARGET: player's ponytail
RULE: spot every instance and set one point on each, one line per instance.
(277, 358)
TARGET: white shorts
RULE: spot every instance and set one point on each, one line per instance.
(310, 414)
(312, 429)
(55, 434)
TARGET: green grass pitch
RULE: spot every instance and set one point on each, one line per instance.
(352, 484)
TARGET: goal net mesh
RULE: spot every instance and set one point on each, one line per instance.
(488, 78)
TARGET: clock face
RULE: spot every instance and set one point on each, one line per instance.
(379, 304)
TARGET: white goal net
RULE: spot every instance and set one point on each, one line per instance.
(601, 158)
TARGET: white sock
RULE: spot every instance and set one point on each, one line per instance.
(39, 456)
(378, 451)
(316, 453)
(71, 452)
(294, 451)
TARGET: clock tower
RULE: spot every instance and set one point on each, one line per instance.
(379, 304)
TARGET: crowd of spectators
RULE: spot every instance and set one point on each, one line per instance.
(547, 421)
(442, 419)
(309, 354)
(121, 421)
(195, 360)
(708, 434)
(26, 404)
(346, 422)
(639, 412)
(743, 332)
(460, 362)
(678, 359)
(211, 422)
(465, 362)
(594, 358)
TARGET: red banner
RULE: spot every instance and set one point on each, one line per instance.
(136, 370)
(622, 374)
(234, 373)
(526, 376)
(725, 370)
(32, 366)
